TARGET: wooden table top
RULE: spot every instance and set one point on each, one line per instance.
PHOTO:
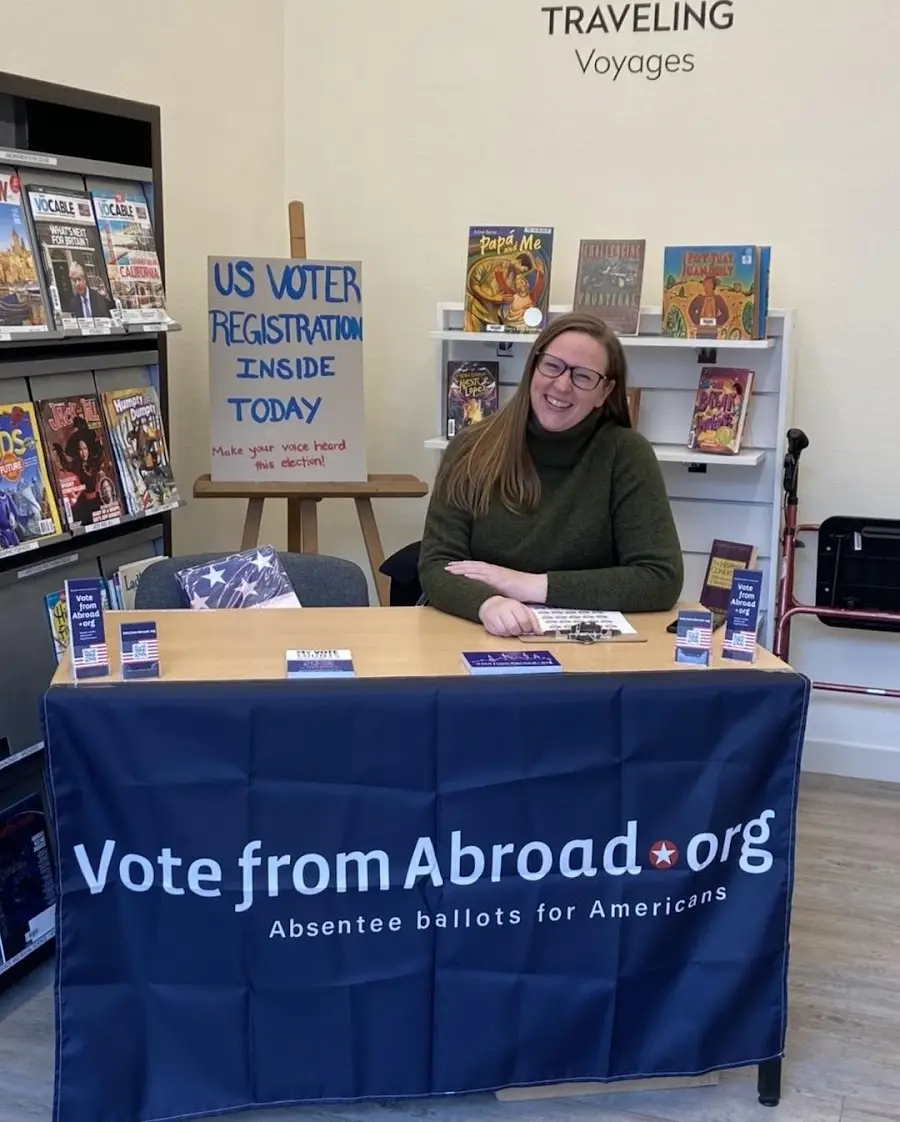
(244, 645)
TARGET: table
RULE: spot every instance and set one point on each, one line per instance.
(386, 643)
(414, 882)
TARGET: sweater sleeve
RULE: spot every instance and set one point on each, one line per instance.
(447, 537)
(650, 570)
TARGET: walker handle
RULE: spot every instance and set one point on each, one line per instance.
(797, 440)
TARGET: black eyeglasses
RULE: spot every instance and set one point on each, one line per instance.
(582, 377)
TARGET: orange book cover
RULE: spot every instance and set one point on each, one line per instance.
(720, 410)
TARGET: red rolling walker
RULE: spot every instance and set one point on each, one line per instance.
(787, 605)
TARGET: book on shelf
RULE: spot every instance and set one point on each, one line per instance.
(58, 615)
(473, 393)
(28, 510)
(72, 260)
(58, 618)
(608, 282)
(507, 287)
(720, 410)
(22, 309)
(127, 578)
(715, 292)
(129, 248)
(76, 445)
(137, 434)
(725, 558)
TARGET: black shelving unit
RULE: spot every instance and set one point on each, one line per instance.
(47, 132)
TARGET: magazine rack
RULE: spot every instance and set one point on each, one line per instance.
(68, 138)
(857, 572)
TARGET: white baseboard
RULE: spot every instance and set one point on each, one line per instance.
(852, 761)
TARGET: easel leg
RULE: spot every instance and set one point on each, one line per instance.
(374, 549)
(309, 525)
(302, 526)
(252, 520)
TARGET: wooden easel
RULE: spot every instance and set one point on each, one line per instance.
(303, 498)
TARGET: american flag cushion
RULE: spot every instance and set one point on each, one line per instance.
(252, 579)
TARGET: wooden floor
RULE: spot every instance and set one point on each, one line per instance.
(843, 1056)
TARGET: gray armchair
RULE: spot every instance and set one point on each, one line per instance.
(320, 582)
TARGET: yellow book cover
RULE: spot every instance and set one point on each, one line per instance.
(28, 509)
(508, 278)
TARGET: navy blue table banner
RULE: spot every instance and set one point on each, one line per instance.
(296, 892)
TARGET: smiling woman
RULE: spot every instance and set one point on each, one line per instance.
(555, 499)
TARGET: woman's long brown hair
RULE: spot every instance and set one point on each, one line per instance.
(495, 455)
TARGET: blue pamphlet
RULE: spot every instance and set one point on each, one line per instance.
(87, 635)
(510, 662)
(319, 664)
(693, 637)
(139, 648)
(742, 624)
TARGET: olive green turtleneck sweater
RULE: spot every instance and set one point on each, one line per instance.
(603, 530)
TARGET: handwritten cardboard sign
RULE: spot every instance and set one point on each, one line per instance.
(286, 371)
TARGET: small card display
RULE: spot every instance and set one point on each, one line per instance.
(140, 650)
(742, 622)
(87, 634)
(319, 664)
(693, 638)
(510, 662)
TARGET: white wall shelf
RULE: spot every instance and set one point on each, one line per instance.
(665, 453)
(733, 497)
(492, 338)
(675, 454)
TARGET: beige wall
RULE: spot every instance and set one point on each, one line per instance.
(215, 67)
(408, 121)
(399, 123)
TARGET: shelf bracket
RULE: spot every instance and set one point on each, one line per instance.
(707, 356)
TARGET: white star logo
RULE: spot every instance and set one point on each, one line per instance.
(198, 601)
(215, 576)
(245, 589)
(262, 562)
(663, 855)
